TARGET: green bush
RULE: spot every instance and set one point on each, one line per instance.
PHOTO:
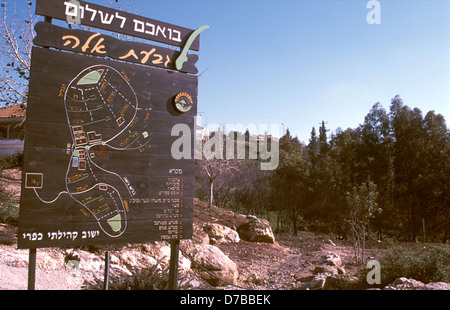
(9, 211)
(425, 264)
(422, 263)
(142, 279)
(14, 161)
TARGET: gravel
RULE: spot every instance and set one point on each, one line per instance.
(16, 278)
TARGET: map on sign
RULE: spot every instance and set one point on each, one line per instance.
(101, 112)
(101, 108)
(98, 166)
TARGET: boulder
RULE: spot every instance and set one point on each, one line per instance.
(256, 230)
(220, 234)
(199, 235)
(218, 265)
(318, 282)
(327, 281)
(332, 259)
(403, 283)
(339, 282)
(326, 269)
(438, 286)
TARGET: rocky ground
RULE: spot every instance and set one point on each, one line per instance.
(287, 264)
(280, 265)
(260, 265)
(220, 244)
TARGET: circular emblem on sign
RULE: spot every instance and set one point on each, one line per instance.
(183, 102)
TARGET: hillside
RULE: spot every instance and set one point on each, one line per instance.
(289, 263)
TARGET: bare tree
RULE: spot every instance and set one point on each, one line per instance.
(363, 207)
(216, 168)
(16, 42)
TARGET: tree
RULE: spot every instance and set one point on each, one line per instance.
(287, 182)
(313, 146)
(252, 188)
(320, 183)
(323, 140)
(362, 207)
(344, 161)
(374, 156)
(408, 162)
(215, 167)
(16, 42)
(435, 182)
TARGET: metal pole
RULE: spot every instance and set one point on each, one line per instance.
(32, 269)
(173, 269)
(106, 280)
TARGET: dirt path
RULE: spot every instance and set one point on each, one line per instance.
(16, 278)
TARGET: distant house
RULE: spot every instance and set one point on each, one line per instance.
(201, 133)
(12, 129)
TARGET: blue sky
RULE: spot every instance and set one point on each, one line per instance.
(298, 62)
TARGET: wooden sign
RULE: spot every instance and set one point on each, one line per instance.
(101, 17)
(98, 167)
(97, 44)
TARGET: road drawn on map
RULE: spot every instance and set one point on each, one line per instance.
(102, 111)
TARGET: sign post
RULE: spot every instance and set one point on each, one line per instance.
(106, 277)
(98, 167)
(32, 269)
(173, 268)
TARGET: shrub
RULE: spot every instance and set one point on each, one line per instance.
(153, 278)
(9, 211)
(14, 161)
(430, 264)
(427, 264)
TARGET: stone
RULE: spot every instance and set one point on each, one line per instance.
(407, 282)
(190, 282)
(199, 235)
(403, 283)
(326, 269)
(339, 282)
(218, 264)
(438, 286)
(220, 234)
(256, 230)
(332, 259)
(331, 242)
(318, 282)
(341, 270)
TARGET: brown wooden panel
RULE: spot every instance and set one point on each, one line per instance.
(118, 21)
(67, 66)
(53, 199)
(53, 88)
(121, 163)
(145, 186)
(105, 172)
(53, 110)
(58, 136)
(137, 231)
(50, 91)
(81, 41)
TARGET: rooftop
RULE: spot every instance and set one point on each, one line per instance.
(12, 111)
